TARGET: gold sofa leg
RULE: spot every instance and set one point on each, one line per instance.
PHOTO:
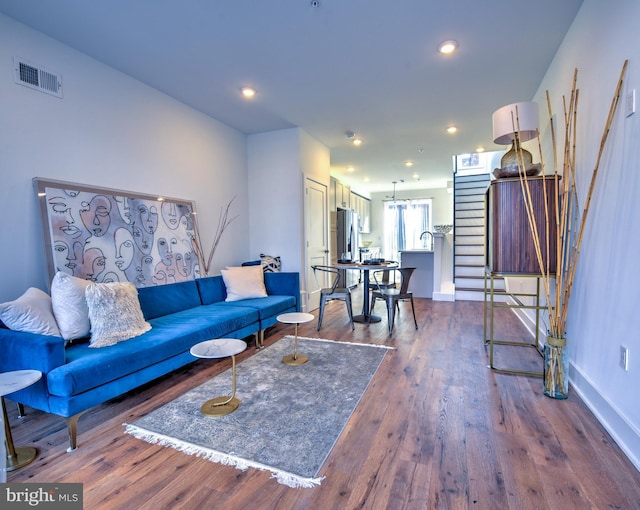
(72, 426)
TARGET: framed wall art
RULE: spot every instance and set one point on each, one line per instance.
(105, 235)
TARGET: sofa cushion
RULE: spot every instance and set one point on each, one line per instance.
(114, 313)
(211, 289)
(266, 307)
(30, 313)
(160, 300)
(171, 335)
(70, 305)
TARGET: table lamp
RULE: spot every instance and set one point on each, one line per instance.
(513, 124)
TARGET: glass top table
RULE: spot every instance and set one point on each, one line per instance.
(365, 317)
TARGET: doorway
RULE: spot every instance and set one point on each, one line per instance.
(317, 236)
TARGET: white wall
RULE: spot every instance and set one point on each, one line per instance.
(110, 131)
(275, 194)
(278, 163)
(603, 312)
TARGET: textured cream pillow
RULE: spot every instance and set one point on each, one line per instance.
(30, 313)
(244, 282)
(114, 312)
(70, 306)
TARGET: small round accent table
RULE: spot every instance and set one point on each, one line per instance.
(296, 318)
(220, 348)
(10, 382)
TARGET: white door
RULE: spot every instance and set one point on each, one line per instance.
(316, 236)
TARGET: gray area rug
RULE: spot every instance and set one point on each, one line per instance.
(289, 416)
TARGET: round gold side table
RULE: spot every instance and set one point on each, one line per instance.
(11, 382)
(296, 318)
(220, 348)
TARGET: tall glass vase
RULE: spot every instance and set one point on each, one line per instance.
(556, 367)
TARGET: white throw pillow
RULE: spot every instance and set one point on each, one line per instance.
(114, 312)
(31, 313)
(70, 306)
(244, 282)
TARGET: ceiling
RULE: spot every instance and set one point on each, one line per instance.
(330, 66)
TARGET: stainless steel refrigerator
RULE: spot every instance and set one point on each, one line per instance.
(348, 242)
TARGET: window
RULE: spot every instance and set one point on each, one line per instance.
(404, 222)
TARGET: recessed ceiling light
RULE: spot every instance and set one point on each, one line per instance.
(416, 176)
(248, 92)
(355, 140)
(408, 163)
(452, 129)
(448, 47)
(480, 149)
(350, 169)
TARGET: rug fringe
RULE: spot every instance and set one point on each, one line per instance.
(389, 347)
(283, 477)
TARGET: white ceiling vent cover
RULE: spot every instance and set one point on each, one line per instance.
(37, 78)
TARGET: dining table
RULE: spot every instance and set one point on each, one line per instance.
(365, 317)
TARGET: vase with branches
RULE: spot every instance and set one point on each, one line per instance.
(224, 221)
(570, 225)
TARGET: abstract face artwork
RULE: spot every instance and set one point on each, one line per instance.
(109, 235)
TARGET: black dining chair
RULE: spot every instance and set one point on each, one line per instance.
(392, 296)
(335, 291)
(387, 279)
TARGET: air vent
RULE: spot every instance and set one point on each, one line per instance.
(37, 78)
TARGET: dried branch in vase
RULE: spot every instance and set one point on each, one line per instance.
(568, 239)
(223, 222)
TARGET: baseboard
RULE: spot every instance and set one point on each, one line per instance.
(623, 433)
(443, 296)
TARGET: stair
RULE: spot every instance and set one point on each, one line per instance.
(469, 237)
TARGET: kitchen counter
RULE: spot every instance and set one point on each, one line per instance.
(431, 278)
(421, 283)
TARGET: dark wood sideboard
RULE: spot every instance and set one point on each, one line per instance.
(509, 244)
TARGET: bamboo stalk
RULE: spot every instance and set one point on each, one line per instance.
(563, 234)
(568, 200)
(594, 175)
(556, 195)
(529, 206)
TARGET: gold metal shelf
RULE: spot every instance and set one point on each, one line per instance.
(490, 304)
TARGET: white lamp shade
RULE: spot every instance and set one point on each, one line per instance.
(506, 122)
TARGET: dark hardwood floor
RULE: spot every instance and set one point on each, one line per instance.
(436, 429)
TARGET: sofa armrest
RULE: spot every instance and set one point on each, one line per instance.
(284, 284)
(22, 351)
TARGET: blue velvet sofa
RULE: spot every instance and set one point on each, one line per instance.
(76, 378)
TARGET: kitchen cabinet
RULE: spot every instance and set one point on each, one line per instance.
(362, 206)
(339, 195)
